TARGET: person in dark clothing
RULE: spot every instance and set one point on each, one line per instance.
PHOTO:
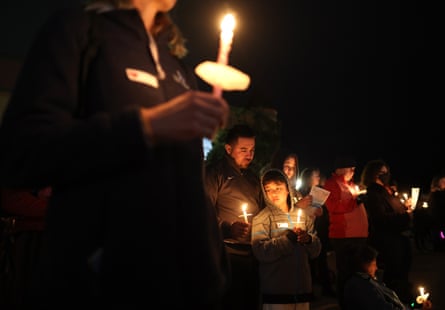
(390, 222)
(321, 273)
(364, 291)
(437, 206)
(116, 146)
(22, 216)
(230, 185)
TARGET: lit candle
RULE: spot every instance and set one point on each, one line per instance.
(423, 296)
(414, 196)
(244, 208)
(225, 44)
(299, 216)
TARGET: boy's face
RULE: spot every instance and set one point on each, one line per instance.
(277, 192)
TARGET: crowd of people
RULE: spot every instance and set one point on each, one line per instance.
(130, 214)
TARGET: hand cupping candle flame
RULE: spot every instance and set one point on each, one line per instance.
(219, 74)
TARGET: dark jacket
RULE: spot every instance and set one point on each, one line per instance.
(365, 293)
(386, 214)
(144, 206)
(228, 188)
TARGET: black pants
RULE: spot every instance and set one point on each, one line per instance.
(244, 289)
(340, 247)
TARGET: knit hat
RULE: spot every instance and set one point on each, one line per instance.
(344, 162)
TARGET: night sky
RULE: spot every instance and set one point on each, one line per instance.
(354, 77)
(344, 76)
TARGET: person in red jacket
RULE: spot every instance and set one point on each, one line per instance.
(348, 221)
(23, 222)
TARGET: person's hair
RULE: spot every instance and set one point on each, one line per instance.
(360, 255)
(371, 171)
(434, 185)
(162, 22)
(274, 175)
(280, 156)
(306, 176)
(237, 131)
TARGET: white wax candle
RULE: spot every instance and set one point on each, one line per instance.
(299, 216)
(225, 44)
(244, 208)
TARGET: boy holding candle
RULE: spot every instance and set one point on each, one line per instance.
(283, 241)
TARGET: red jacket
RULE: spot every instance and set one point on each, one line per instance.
(347, 219)
(28, 208)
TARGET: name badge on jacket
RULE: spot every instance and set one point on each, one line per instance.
(142, 77)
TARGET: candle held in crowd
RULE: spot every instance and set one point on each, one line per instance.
(244, 208)
(225, 45)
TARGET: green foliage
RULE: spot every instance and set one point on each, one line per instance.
(267, 128)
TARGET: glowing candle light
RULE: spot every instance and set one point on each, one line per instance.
(244, 208)
(299, 216)
(225, 45)
(423, 296)
(414, 196)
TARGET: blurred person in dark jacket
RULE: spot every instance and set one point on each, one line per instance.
(106, 111)
(436, 202)
(22, 222)
(363, 289)
(390, 221)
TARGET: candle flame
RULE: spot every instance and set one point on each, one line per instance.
(227, 26)
(423, 296)
(228, 22)
(244, 207)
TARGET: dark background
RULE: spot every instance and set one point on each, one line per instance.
(357, 77)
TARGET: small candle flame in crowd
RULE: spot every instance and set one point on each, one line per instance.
(423, 296)
(299, 216)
